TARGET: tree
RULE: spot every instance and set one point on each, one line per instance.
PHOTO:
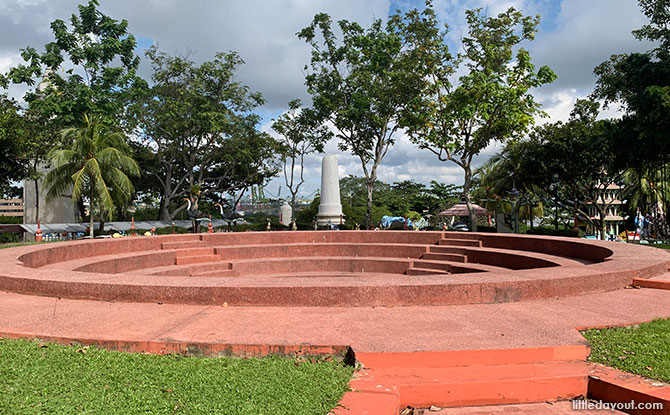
(300, 134)
(88, 69)
(492, 101)
(505, 177)
(361, 84)
(197, 126)
(94, 168)
(12, 150)
(582, 153)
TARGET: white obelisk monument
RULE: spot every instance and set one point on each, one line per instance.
(330, 208)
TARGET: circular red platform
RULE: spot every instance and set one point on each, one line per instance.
(345, 268)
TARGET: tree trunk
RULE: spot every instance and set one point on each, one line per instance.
(37, 200)
(293, 195)
(468, 201)
(90, 219)
(159, 215)
(165, 209)
(368, 211)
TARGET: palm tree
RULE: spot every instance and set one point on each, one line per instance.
(95, 167)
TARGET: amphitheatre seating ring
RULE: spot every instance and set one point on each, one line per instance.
(326, 268)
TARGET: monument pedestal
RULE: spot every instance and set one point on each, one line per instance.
(330, 208)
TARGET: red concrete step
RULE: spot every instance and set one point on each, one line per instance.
(315, 263)
(661, 282)
(460, 235)
(444, 249)
(182, 253)
(216, 273)
(196, 259)
(182, 244)
(444, 257)
(460, 242)
(430, 264)
(456, 358)
(422, 387)
(367, 403)
(331, 249)
(611, 385)
(546, 408)
(424, 271)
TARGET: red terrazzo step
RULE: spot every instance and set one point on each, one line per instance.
(432, 264)
(182, 253)
(460, 242)
(196, 259)
(444, 257)
(424, 271)
(459, 358)
(461, 235)
(367, 403)
(546, 408)
(216, 273)
(612, 385)
(182, 244)
(316, 263)
(331, 249)
(661, 282)
(478, 385)
(444, 249)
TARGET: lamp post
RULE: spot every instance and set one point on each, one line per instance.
(554, 183)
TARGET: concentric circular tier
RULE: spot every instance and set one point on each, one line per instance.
(326, 268)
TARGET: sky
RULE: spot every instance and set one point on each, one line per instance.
(574, 37)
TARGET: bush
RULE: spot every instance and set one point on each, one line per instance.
(9, 237)
(553, 232)
(168, 230)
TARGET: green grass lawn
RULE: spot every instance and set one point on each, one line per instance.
(643, 349)
(38, 378)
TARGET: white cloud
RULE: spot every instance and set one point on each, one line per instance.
(581, 35)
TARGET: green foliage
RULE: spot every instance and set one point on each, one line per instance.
(13, 126)
(583, 153)
(94, 167)
(492, 101)
(643, 349)
(301, 133)
(172, 229)
(47, 378)
(640, 82)
(102, 71)
(9, 237)
(198, 131)
(405, 198)
(362, 83)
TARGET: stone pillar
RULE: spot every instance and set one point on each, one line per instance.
(285, 213)
(330, 208)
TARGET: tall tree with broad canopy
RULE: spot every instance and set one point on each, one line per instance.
(640, 83)
(582, 152)
(12, 150)
(491, 101)
(301, 134)
(361, 83)
(95, 167)
(197, 129)
(88, 69)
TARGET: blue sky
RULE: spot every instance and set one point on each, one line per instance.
(575, 35)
